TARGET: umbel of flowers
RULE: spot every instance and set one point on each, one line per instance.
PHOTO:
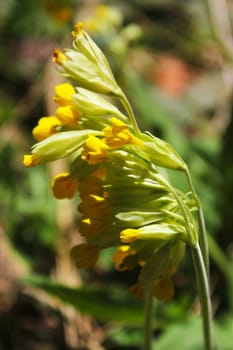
(124, 200)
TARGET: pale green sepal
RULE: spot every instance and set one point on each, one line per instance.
(165, 259)
(162, 153)
(90, 103)
(139, 218)
(84, 44)
(61, 145)
(87, 74)
(164, 232)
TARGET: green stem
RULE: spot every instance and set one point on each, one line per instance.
(148, 318)
(186, 213)
(204, 295)
(130, 112)
(203, 240)
(201, 223)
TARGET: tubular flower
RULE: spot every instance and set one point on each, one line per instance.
(58, 56)
(67, 115)
(64, 94)
(125, 201)
(94, 150)
(31, 160)
(86, 65)
(125, 258)
(46, 126)
(118, 135)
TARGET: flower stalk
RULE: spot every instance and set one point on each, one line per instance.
(148, 318)
(204, 295)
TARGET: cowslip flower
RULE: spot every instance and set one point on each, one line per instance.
(46, 126)
(124, 201)
(64, 185)
(86, 65)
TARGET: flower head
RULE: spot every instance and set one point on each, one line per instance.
(125, 202)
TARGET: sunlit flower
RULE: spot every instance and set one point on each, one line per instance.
(63, 94)
(94, 150)
(46, 126)
(86, 65)
(67, 115)
(118, 134)
(124, 201)
(58, 56)
(31, 160)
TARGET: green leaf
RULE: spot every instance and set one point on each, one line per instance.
(188, 335)
(108, 303)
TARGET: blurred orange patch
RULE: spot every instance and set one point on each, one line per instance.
(60, 13)
(172, 75)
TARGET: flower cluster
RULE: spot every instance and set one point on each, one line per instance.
(125, 202)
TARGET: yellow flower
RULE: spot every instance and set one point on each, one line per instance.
(64, 186)
(67, 115)
(78, 29)
(91, 227)
(85, 255)
(46, 127)
(94, 207)
(91, 184)
(64, 94)
(121, 258)
(118, 134)
(129, 235)
(94, 150)
(31, 160)
(58, 56)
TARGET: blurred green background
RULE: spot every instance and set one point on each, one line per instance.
(174, 60)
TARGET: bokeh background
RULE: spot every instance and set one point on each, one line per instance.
(174, 60)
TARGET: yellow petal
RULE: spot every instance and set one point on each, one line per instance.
(64, 185)
(67, 115)
(129, 235)
(31, 160)
(94, 150)
(58, 56)
(46, 127)
(85, 255)
(64, 94)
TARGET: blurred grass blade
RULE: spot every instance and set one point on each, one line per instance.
(103, 303)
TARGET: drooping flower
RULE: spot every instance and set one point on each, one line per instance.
(118, 134)
(86, 65)
(64, 185)
(67, 115)
(46, 126)
(64, 93)
(125, 202)
(94, 150)
(85, 255)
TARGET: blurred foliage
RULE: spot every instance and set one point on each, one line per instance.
(180, 85)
